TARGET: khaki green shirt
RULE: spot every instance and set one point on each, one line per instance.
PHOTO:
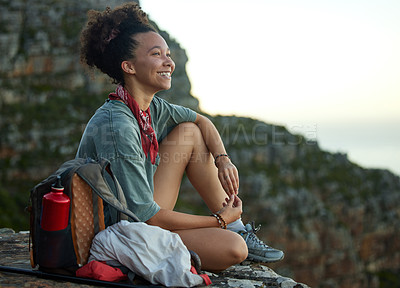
(113, 133)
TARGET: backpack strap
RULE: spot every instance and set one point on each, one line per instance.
(94, 174)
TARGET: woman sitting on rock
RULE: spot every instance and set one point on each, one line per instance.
(151, 143)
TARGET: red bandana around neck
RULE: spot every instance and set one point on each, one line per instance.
(149, 139)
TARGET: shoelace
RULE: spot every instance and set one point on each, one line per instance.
(256, 240)
(253, 227)
(252, 235)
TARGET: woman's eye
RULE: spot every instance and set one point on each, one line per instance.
(157, 53)
(169, 55)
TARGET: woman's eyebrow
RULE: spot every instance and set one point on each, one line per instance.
(157, 47)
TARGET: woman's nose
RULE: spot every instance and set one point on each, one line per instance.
(170, 63)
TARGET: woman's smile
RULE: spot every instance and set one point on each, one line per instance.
(165, 74)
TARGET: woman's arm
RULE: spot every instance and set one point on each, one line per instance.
(227, 172)
(172, 220)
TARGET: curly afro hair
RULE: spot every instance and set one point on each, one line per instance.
(107, 40)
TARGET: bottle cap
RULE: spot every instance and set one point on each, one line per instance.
(57, 185)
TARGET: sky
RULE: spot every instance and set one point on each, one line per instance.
(329, 70)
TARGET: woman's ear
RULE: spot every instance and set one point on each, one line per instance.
(128, 67)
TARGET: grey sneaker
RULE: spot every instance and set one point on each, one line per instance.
(258, 250)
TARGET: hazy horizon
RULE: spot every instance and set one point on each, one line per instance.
(329, 66)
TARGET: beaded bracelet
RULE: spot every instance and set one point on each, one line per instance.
(216, 157)
(221, 220)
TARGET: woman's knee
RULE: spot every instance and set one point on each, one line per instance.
(238, 249)
(188, 132)
(218, 249)
(184, 134)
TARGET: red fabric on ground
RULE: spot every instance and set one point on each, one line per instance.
(101, 271)
(205, 277)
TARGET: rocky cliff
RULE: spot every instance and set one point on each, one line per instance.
(337, 222)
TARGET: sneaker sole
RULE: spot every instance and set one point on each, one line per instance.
(260, 259)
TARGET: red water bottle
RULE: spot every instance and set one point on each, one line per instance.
(55, 208)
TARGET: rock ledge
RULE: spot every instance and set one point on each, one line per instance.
(14, 253)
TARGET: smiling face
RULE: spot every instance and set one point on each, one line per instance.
(152, 64)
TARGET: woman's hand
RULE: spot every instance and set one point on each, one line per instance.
(232, 209)
(228, 175)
